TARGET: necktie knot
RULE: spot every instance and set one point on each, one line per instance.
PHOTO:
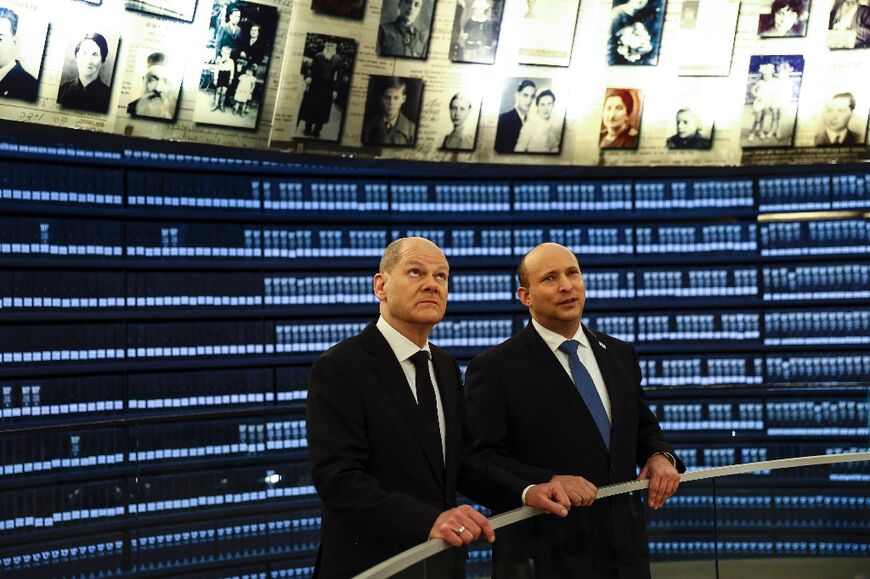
(569, 346)
(421, 359)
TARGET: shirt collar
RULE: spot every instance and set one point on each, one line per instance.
(9, 66)
(402, 347)
(554, 340)
(836, 136)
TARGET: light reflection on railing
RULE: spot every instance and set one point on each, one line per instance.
(425, 550)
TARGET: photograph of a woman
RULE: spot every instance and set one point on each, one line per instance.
(87, 76)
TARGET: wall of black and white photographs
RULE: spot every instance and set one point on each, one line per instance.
(591, 82)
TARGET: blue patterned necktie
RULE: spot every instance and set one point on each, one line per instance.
(586, 388)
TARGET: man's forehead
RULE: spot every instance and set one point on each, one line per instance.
(551, 258)
(421, 253)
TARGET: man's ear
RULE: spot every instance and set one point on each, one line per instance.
(378, 284)
(523, 295)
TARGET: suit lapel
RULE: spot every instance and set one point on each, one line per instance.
(392, 378)
(555, 373)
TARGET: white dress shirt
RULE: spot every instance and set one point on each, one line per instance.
(554, 340)
(404, 348)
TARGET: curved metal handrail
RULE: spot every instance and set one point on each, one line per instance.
(425, 550)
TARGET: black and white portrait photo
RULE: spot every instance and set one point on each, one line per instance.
(179, 9)
(786, 18)
(620, 118)
(232, 82)
(342, 8)
(690, 129)
(86, 82)
(392, 111)
(405, 28)
(770, 101)
(539, 32)
(532, 116)
(841, 125)
(22, 44)
(476, 28)
(157, 85)
(460, 122)
(327, 66)
(635, 32)
(849, 24)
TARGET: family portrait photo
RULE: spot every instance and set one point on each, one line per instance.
(239, 48)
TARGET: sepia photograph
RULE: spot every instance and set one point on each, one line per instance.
(620, 118)
(476, 28)
(405, 28)
(157, 86)
(232, 81)
(460, 122)
(327, 67)
(532, 116)
(88, 71)
(771, 98)
(849, 24)
(542, 30)
(392, 111)
(178, 9)
(705, 38)
(690, 130)
(840, 125)
(354, 9)
(635, 32)
(787, 18)
(22, 47)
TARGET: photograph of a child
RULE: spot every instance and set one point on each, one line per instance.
(771, 99)
(475, 31)
(691, 130)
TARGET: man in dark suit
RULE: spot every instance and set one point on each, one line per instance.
(510, 123)
(835, 131)
(585, 387)
(385, 415)
(15, 82)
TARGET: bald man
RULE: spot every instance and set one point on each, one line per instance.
(561, 402)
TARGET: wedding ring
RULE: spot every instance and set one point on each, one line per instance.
(460, 530)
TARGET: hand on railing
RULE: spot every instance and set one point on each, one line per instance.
(663, 480)
(580, 491)
(549, 497)
(460, 526)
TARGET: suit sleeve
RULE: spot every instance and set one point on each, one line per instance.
(488, 423)
(339, 451)
(482, 480)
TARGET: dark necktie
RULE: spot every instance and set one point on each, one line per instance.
(426, 396)
(586, 388)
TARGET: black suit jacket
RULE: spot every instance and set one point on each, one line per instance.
(382, 485)
(525, 413)
(851, 138)
(507, 131)
(19, 84)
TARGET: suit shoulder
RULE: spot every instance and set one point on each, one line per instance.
(348, 347)
(607, 340)
(508, 348)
